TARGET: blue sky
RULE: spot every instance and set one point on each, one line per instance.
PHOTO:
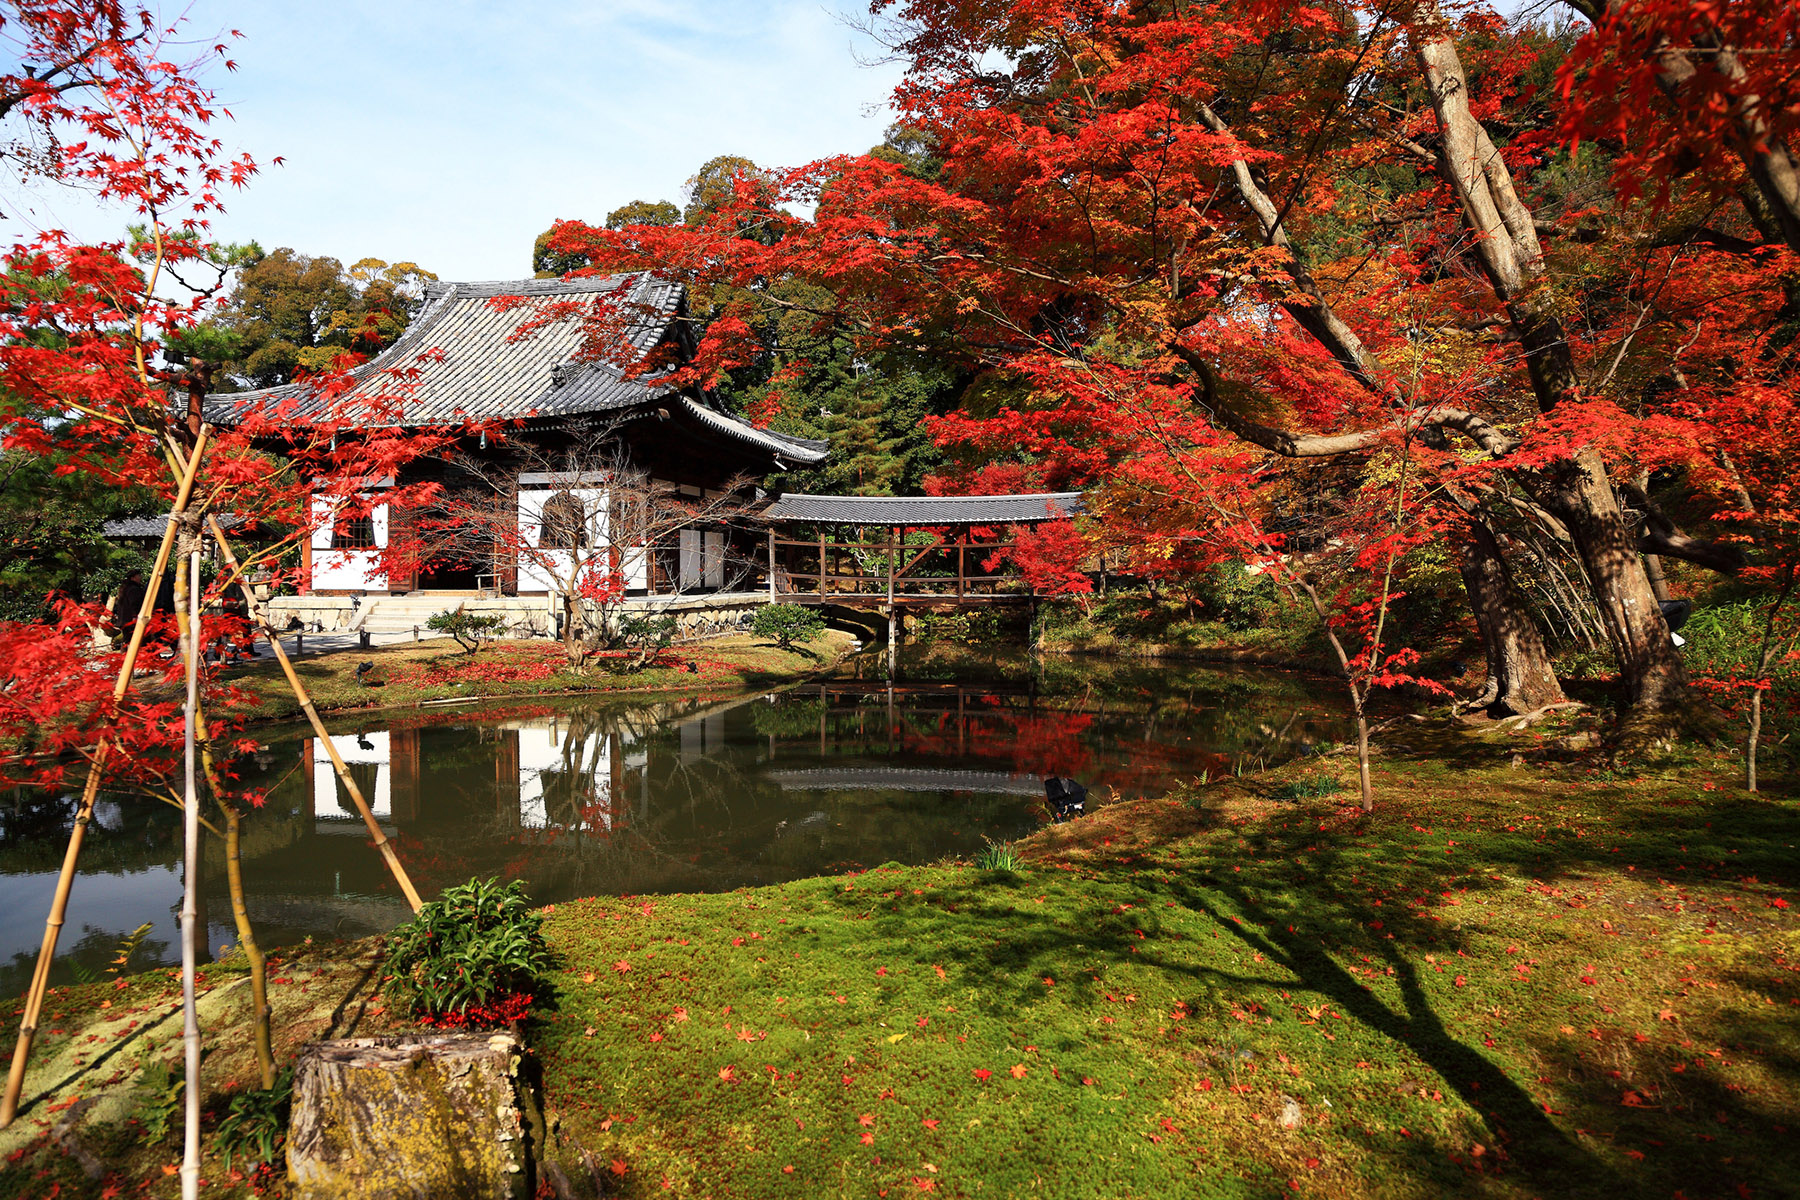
(452, 133)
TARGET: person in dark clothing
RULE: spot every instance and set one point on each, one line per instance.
(128, 603)
(162, 619)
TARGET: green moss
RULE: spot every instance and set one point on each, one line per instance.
(1518, 981)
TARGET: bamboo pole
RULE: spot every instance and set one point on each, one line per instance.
(190, 853)
(84, 812)
(312, 715)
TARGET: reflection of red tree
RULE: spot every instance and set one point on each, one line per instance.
(1051, 743)
(1046, 742)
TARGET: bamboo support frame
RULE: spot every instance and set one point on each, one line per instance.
(257, 615)
(84, 812)
(190, 886)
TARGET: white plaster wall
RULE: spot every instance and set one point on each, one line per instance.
(542, 575)
(692, 570)
(713, 559)
(347, 570)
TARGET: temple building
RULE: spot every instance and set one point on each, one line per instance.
(464, 358)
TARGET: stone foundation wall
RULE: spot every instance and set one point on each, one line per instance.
(696, 617)
(326, 614)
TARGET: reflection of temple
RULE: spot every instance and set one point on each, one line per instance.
(371, 765)
(552, 774)
(565, 774)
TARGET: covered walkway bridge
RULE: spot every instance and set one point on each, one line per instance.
(893, 552)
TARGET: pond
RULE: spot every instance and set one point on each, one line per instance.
(579, 798)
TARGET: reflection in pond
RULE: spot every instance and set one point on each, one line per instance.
(578, 798)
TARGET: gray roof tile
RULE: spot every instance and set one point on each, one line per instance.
(487, 371)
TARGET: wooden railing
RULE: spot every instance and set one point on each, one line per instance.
(825, 570)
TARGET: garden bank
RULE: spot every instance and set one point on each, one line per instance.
(1546, 978)
(437, 672)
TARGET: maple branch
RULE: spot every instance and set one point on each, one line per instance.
(1318, 445)
(1687, 235)
(1317, 318)
(1662, 536)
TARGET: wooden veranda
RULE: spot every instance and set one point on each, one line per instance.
(892, 553)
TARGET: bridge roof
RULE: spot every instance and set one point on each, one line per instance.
(907, 779)
(924, 510)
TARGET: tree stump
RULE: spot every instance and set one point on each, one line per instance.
(427, 1115)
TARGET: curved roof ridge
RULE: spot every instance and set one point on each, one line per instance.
(1027, 508)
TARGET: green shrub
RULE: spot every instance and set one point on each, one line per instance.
(646, 632)
(256, 1122)
(787, 624)
(476, 945)
(468, 629)
(1235, 598)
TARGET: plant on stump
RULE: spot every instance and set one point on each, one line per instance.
(476, 954)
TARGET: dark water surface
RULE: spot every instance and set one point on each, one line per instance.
(579, 798)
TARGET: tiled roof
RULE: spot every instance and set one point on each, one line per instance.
(151, 527)
(794, 451)
(924, 510)
(485, 369)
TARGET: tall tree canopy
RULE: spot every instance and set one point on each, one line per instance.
(293, 313)
(1176, 241)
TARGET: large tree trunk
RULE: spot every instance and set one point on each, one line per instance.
(1519, 672)
(1577, 488)
(1654, 677)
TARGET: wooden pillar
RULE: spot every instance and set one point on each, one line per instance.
(821, 562)
(771, 566)
(962, 547)
(506, 779)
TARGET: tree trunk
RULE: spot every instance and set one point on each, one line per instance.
(1518, 663)
(259, 975)
(1363, 779)
(571, 629)
(411, 1117)
(1750, 743)
(1654, 676)
(1577, 489)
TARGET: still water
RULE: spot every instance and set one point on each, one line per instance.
(578, 798)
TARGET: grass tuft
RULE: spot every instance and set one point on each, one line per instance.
(998, 856)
